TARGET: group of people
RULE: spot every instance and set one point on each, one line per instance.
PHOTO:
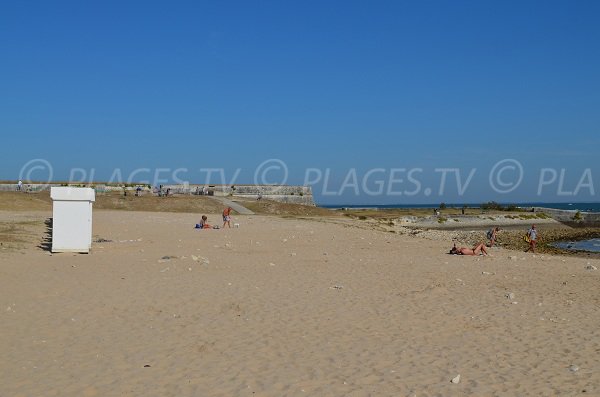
(23, 188)
(201, 191)
(203, 224)
(480, 249)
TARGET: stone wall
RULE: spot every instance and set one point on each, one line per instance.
(285, 194)
(32, 187)
(569, 216)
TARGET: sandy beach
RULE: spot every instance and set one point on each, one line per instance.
(288, 307)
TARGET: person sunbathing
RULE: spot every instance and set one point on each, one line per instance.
(478, 249)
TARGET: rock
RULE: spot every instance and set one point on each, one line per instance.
(573, 368)
(510, 296)
(456, 379)
(195, 258)
(591, 267)
(513, 257)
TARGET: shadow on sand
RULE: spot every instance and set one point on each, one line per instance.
(46, 243)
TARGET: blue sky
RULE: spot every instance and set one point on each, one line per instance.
(334, 86)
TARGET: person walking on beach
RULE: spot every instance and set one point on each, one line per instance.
(491, 235)
(227, 217)
(532, 234)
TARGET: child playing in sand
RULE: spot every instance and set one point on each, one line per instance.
(478, 249)
(203, 223)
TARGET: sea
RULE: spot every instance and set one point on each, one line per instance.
(591, 245)
(583, 207)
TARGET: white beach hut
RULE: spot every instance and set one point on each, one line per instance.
(72, 219)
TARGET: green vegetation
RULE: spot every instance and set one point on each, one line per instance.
(441, 219)
(578, 217)
(492, 205)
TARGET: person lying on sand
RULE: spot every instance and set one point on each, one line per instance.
(478, 249)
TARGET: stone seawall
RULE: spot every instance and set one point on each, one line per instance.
(572, 217)
(285, 194)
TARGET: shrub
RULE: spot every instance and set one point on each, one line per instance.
(491, 205)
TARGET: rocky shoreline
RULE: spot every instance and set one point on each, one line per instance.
(513, 239)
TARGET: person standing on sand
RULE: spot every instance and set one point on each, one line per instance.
(19, 185)
(533, 235)
(227, 217)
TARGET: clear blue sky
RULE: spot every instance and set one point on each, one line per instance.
(329, 85)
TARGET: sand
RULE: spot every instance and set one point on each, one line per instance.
(289, 307)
